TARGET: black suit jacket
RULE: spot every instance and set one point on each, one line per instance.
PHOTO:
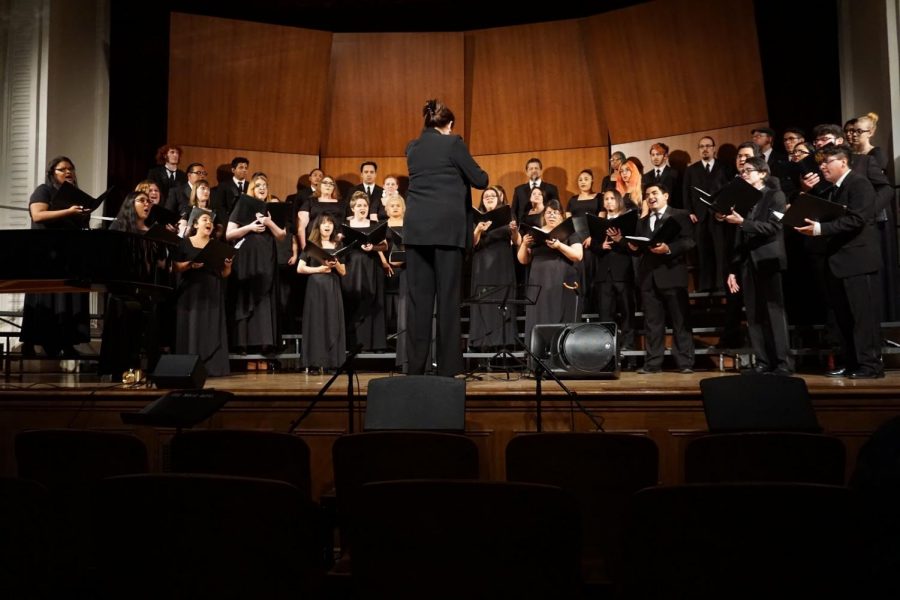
(760, 237)
(851, 244)
(225, 196)
(696, 176)
(160, 176)
(522, 198)
(179, 199)
(374, 198)
(439, 198)
(669, 178)
(666, 270)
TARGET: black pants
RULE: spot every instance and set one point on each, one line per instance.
(857, 308)
(656, 303)
(434, 272)
(766, 322)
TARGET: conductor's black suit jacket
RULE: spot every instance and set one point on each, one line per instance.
(439, 199)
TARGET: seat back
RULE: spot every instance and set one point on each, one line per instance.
(466, 539)
(416, 402)
(765, 456)
(261, 454)
(757, 403)
(25, 530)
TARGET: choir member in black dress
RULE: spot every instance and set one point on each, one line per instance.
(151, 189)
(534, 215)
(391, 190)
(629, 185)
(200, 308)
(613, 283)
(587, 201)
(493, 326)
(255, 270)
(394, 265)
(324, 337)
(759, 258)
(56, 322)
(200, 198)
(364, 286)
(615, 163)
(553, 269)
(437, 232)
(326, 199)
(289, 290)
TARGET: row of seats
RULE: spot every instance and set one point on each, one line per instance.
(577, 508)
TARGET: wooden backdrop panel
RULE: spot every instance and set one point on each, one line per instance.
(678, 66)
(236, 84)
(379, 84)
(531, 90)
(561, 168)
(346, 170)
(282, 169)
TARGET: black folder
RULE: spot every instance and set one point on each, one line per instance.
(626, 223)
(247, 208)
(736, 194)
(561, 232)
(807, 206)
(159, 233)
(667, 231)
(499, 217)
(214, 254)
(321, 254)
(162, 215)
(69, 195)
(374, 236)
(280, 213)
(398, 252)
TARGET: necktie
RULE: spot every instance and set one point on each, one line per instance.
(708, 168)
(243, 186)
(657, 174)
(172, 175)
(534, 184)
(369, 190)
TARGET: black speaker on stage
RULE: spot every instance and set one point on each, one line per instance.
(181, 371)
(577, 350)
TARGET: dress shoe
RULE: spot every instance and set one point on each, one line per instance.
(686, 371)
(781, 371)
(648, 370)
(866, 374)
(756, 370)
(842, 372)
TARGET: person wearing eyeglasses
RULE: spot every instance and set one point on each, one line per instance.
(852, 262)
(791, 137)
(325, 199)
(756, 265)
(615, 163)
(56, 322)
(179, 197)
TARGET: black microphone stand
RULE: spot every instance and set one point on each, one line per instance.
(347, 366)
(540, 367)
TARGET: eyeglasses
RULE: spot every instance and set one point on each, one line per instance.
(799, 153)
(857, 131)
(828, 160)
(327, 183)
(142, 200)
(203, 173)
(748, 171)
(72, 170)
(552, 213)
(825, 139)
(702, 146)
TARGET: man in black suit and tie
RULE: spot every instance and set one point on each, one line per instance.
(166, 173)
(662, 172)
(522, 193)
(709, 175)
(368, 171)
(852, 261)
(437, 230)
(226, 194)
(179, 198)
(663, 279)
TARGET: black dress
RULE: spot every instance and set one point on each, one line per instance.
(588, 266)
(324, 335)
(200, 314)
(556, 303)
(492, 265)
(314, 207)
(289, 290)
(255, 286)
(55, 321)
(364, 298)
(395, 303)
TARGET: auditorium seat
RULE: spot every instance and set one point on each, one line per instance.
(602, 470)
(25, 529)
(440, 539)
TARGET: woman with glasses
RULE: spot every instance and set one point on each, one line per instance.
(255, 292)
(758, 260)
(325, 199)
(57, 322)
(553, 269)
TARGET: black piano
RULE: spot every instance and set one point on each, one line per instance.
(64, 260)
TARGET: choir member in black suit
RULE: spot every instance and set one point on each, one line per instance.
(368, 171)
(201, 322)
(364, 287)
(662, 172)
(615, 163)
(166, 174)
(613, 283)
(776, 159)
(552, 267)
(522, 193)
(256, 270)
(791, 137)
(56, 322)
(438, 229)
(227, 192)
(491, 327)
(324, 338)
(178, 199)
(709, 175)
(759, 258)
(851, 266)
(662, 278)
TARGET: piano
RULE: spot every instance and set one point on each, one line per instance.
(64, 260)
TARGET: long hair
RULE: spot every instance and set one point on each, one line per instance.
(51, 180)
(633, 188)
(126, 220)
(193, 200)
(620, 203)
(315, 236)
(501, 197)
(163, 150)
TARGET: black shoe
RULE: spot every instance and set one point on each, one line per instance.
(756, 370)
(648, 370)
(842, 372)
(686, 371)
(866, 374)
(782, 372)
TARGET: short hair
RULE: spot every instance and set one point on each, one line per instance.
(759, 163)
(618, 154)
(660, 147)
(828, 129)
(437, 114)
(191, 166)
(534, 159)
(501, 197)
(839, 151)
(752, 145)
(662, 187)
(238, 160)
(319, 170)
(163, 150)
(797, 131)
(553, 204)
(368, 162)
(588, 171)
(397, 198)
(764, 130)
(707, 137)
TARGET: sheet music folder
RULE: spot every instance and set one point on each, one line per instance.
(736, 194)
(321, 254)
(561, 232)
(625, 223)
(69, 195)
(499, 217)
(807, 206)
(374, 236)
(665, 233)
(214, 254)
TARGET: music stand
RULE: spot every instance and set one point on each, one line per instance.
(503, 295)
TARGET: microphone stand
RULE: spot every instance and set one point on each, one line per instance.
(347, 366)
(541, 367)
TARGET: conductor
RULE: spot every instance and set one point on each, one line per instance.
(436, 233)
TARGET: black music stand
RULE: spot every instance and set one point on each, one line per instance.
(503, 295)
